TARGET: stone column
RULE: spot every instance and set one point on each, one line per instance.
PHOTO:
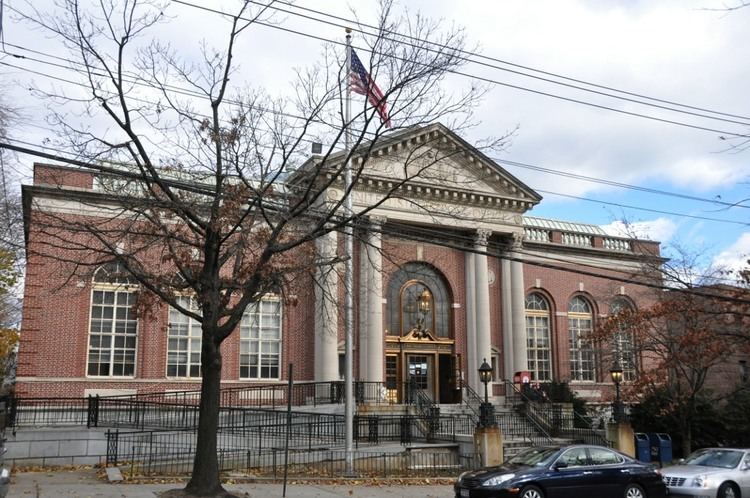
(482, 294)
(507, 300)
(326, 310)
(472, 377)
(374, 290)
(518, 307)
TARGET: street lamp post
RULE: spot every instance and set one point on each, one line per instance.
(486, 410)
(616, 373)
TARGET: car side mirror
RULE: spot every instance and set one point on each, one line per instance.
(560, 465)
(745, 466)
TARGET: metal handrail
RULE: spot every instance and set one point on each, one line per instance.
(536, 423)
(472, 396)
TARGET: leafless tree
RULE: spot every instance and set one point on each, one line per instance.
(204, 186)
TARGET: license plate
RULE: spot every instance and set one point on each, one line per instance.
(465, 493)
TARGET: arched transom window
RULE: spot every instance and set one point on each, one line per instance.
(418, 294)
(113, 329)
(538, 337)
(580, 325)
(623, 345)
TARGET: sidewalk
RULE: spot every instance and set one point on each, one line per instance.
(86, 484)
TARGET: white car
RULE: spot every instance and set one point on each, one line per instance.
(710, 473)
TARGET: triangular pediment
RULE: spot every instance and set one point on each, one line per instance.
(436, 156)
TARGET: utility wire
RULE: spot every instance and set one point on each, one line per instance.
(421, 41)
(438, 235)
(500, 161)
(617, 184)
(490, 80)
(658, 211)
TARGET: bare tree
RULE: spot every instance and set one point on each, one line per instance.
(203, 187)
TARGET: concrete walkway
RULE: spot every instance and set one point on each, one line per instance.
(86, 484)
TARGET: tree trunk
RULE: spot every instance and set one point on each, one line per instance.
(204, 480)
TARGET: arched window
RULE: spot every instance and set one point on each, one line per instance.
(580, 325)
(623, 345)
(538, 337)
(406, 287)
(260, 340)
(417, 309)
(113, 329)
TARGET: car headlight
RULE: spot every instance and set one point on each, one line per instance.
(700, 481)
(462, 474)
(498, 480)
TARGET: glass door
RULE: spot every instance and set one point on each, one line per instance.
(420, 371)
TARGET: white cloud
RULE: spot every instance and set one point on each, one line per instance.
(735, 256)
(660, 229)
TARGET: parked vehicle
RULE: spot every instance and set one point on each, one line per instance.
(574, 471)
(711, 472)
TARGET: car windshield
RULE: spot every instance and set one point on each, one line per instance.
(727, 459)
(534, 456)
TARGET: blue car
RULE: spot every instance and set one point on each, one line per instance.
(577, 471)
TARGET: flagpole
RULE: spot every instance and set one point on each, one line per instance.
(348, 272)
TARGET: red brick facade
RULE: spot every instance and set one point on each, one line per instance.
(57, 308)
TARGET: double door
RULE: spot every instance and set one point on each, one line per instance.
(434, 374)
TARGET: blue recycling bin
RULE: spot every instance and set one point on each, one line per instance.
(661, 447)
(642, 447)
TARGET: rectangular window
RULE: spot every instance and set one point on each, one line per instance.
(260, 340)
(112, 334)
(184, 341)
(581, 350)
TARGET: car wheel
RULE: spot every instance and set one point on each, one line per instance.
(727, 490)
(531, 492)
(634, 491)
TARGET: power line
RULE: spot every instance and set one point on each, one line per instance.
(558, 194)
(617, 184)
(351, 22)
(657, 211)
(439, 234)
(490, 80)
(514, 163)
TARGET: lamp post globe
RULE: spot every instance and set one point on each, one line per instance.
(616, 373)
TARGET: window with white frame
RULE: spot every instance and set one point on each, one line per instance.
(113, 329)
(260, 340)
(538, 345)
(623, 345)
(580, 325)
(184, 341)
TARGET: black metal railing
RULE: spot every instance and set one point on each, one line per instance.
(170, 453)
(554, 422)
(472, 400)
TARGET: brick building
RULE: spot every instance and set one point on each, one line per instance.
(436, 293)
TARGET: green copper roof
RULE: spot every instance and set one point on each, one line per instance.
(565, 226)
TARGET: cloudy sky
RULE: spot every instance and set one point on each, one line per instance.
(685, 52)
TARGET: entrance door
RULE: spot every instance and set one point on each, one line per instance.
(420, 369)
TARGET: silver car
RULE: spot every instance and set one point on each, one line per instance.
(710, 473)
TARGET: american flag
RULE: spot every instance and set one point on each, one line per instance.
(361, 83)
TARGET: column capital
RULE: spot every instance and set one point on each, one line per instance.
(377, 220)
(482, 236)
(516, 241)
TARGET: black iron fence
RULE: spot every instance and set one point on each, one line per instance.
(171, 453)
(275, 395)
